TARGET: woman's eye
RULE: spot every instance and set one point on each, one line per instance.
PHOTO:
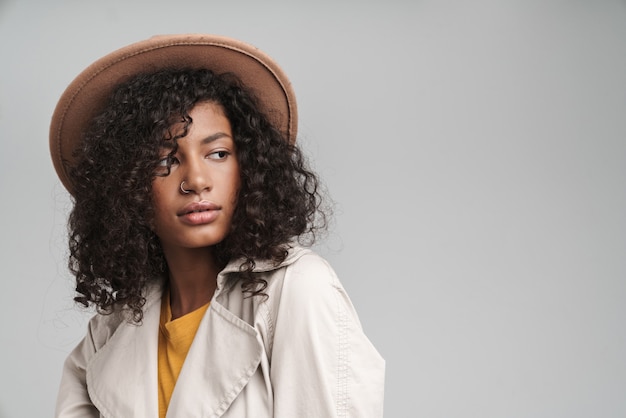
(167, 161)
(218, 155)
(165, 165)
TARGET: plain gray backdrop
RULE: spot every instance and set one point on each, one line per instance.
(476, 154)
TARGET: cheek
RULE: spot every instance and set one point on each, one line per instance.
(234, 180)
(159, 203)
(236, 189)
(158, 187)
(162, 192)
(157, 221)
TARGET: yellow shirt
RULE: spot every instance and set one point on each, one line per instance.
(175, 338)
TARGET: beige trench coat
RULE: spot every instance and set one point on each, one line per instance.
(298, 353)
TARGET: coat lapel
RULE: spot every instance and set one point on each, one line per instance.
(224, 356)
(122, 375)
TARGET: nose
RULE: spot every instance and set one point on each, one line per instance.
(196, 177)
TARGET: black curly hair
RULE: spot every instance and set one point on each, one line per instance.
(114, 252)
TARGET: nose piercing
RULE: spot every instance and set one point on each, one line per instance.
(182, 189)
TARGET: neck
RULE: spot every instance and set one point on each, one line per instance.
(192, 277)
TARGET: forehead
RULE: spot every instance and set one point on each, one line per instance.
(205, 122)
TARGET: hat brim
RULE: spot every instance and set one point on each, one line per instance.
(86, 96)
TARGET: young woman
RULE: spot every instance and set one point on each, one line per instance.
(190, 203)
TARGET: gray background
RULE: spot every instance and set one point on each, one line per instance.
(476, 153)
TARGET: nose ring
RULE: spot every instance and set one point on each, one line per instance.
(182, 189)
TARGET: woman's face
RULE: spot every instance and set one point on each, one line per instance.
(200, 214)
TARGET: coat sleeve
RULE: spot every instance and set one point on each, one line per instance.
(73, 399)
(322, 364)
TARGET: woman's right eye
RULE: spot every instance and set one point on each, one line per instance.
(165, 164)
(167, 161)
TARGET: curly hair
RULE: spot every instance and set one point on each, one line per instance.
(114, 252)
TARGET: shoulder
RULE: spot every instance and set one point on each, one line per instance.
(310, 269)
(308, 287)
(306, 272)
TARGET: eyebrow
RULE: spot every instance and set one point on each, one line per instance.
(207, 140)
(214, 137)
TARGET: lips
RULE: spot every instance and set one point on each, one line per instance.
(197, 213)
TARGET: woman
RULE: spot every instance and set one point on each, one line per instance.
(190, 200)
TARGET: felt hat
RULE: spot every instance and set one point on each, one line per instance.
(86, 96)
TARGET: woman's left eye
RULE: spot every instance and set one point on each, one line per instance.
(218, 155)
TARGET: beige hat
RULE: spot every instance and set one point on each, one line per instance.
(85, 97)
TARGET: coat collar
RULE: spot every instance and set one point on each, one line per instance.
(224, 284)
(294, 252)
(122, 376)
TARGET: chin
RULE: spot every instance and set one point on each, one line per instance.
(193, 241)
(205, 242)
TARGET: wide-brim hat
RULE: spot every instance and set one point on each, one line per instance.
(86, 96)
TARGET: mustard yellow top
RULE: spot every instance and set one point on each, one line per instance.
(175, 338)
